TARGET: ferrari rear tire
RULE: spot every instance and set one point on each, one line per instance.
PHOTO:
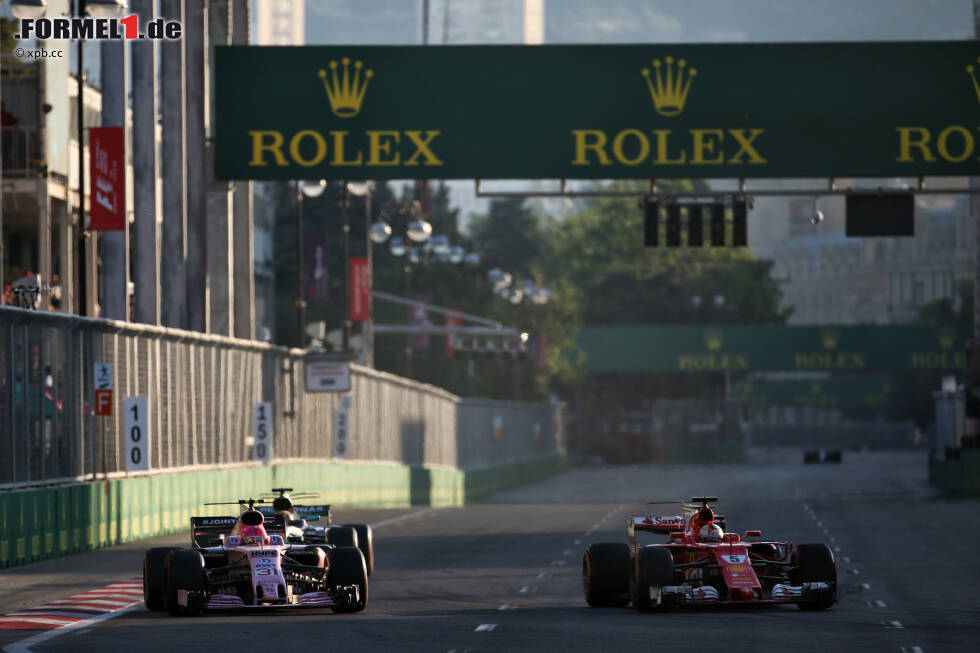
(654, 568)
(185, 571)
(342, 536)
(365, 542)
(347, 568)
(815, 564)
(606, 568)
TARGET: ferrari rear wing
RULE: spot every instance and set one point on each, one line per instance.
(663, 524)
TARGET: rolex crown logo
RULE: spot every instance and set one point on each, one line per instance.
(714, 339)
(669, 87)
(830, 338)
(946, 338)
(973, 78)
(345, 89)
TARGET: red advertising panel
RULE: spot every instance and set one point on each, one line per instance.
(107, 168)
(453, 320)
(360, 289)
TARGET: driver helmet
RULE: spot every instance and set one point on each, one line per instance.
(254, 535)
(710, 533)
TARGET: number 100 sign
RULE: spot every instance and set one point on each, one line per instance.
(137, 436)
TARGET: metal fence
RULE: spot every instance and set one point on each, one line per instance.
(201, 391)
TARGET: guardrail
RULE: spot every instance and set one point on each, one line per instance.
(201, 390)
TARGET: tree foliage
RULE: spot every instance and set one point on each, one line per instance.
(593, 261)
(944, 309)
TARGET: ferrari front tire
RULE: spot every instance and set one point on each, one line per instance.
(606, 568)
(654, 568)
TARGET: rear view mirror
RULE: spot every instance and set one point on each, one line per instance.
(753, 533)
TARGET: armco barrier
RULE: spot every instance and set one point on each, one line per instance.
(43, 523)
(960, 476)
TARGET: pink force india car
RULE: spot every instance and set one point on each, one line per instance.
(702, 565)
(247, 564)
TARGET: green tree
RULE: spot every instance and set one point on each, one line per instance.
(509, 236)
(600, 250)
(945, 309)
(8, 28)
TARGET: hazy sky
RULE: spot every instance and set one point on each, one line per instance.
(394, 22)
(623, 21)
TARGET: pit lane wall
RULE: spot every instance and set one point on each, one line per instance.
(43, 523)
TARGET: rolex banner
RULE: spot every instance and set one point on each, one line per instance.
(598, 111)
(773, 347)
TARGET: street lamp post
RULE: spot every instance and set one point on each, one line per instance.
(417, 231)
(344, 203)
(307, 189)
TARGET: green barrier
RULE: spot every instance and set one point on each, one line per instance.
(33, 525)
(5, 529)
(479, 483)
(960, 476)
(48, 517)
(18, 546)
(55, 521)
(63, 520)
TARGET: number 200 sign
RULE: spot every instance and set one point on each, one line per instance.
(136, 434)
(262, 431)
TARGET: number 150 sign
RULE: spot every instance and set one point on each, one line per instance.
(262, 431)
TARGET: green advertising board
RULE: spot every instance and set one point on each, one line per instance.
(597, 111)
(835, 391)
(773, 347)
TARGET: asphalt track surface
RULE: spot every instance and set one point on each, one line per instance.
(505, 575)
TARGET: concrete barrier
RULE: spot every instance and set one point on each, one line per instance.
(43, 523)
(727, 452)
(959, 476)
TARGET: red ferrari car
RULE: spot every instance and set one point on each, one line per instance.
(702, 565)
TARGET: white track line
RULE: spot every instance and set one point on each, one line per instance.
(401, 518)
(24, 645)
(484, 628)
